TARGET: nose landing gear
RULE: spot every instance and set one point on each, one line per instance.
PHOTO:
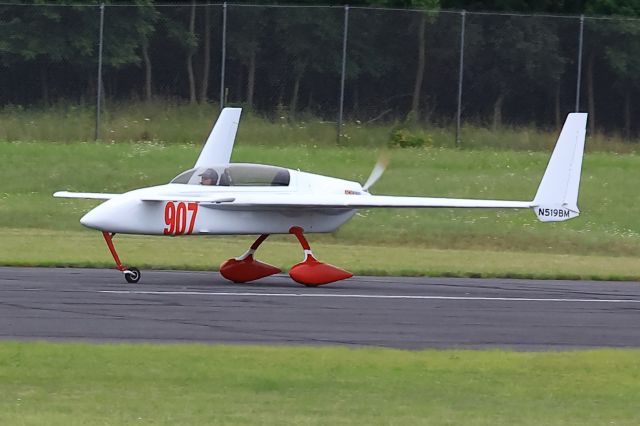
(132, 275)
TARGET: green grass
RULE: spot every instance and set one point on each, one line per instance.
(35, 247)
(601, 243)
(68, 384)
(169, 122)
(79, 384)
(608, 226)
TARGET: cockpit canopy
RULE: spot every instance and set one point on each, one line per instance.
(235, 175)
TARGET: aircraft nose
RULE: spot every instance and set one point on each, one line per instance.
(93, 219)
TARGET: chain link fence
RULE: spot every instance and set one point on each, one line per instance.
(342, 65)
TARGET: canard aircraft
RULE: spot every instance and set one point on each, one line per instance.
(217, 197)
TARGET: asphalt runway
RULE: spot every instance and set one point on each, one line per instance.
(413, 313)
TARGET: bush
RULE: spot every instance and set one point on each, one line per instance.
(403, 138)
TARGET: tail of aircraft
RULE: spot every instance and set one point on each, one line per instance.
(557, 196)
(219, 145)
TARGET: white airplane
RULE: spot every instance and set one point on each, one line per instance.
(217, 197)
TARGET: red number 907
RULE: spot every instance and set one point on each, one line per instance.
(175, 217)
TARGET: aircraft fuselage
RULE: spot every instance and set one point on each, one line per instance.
(130, 213)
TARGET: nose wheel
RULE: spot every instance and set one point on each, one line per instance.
(132, 275)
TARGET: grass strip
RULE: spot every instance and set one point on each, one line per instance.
(83, 384)
(608, 225)
(171, 122)
(32, 247)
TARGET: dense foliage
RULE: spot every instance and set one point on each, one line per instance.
(402, 60)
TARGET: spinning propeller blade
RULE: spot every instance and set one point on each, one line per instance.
(378, 170)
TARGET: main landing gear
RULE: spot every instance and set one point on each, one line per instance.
(309, 272)
(245, 268)
(132, 275)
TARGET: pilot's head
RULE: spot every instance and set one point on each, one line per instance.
(209, 177)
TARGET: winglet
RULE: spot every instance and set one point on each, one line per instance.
(217, 149)
(557, 196)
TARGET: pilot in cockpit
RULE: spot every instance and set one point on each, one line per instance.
(209, 177)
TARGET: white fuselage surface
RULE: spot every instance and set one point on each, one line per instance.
(138, 211)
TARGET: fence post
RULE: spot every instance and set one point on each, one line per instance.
(99, 91)
(463, 15)
(224, 53)
(580, 38)
(344, 67)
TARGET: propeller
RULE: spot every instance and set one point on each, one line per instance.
(378, 170)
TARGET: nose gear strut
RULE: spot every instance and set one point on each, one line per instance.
(132, 275)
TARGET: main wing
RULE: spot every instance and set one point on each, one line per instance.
(291, 201)
(294, 201)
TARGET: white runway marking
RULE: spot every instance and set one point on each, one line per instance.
(366, 296)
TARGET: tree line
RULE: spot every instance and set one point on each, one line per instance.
(402, 61)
